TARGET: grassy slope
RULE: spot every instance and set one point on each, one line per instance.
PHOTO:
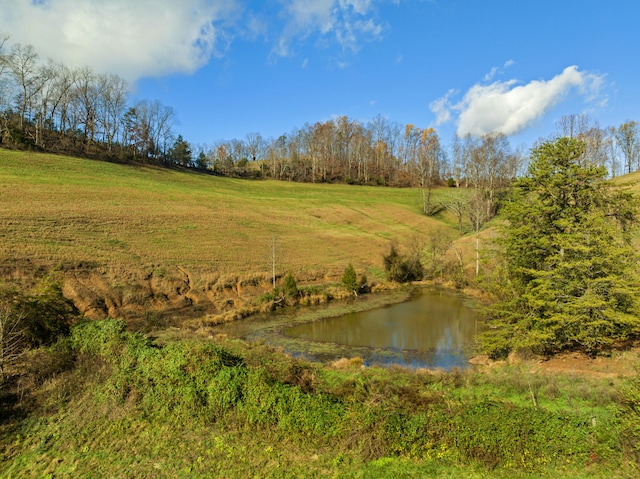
(57, 209)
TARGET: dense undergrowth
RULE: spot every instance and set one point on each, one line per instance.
(121, 405)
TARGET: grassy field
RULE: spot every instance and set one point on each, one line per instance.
(57, 209)
(130, 240)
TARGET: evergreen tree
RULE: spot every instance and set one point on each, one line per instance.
(201, 161)
(290, 287)
(571, 269)
(350, 279)
(180, 153)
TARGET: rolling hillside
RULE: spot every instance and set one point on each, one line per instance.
(129, 240)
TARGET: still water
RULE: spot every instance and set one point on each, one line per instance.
(435, 330)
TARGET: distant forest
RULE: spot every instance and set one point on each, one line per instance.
(48, 106)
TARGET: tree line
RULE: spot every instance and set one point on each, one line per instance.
(385, 152)
(48, 106)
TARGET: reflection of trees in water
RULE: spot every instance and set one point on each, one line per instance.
(431, 324)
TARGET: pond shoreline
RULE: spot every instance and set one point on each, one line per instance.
(269, 328)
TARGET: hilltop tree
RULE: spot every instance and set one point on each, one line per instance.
(180, 153)
(571, 270)
(23, 66)
(427, 166)
(628, 138)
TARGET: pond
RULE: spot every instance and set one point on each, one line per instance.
(435, 329)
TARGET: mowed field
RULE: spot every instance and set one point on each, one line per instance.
(57, 210)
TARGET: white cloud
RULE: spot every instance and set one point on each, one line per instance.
(142, 38)
(133, 38)
(508, 107)
(498, 70)
(347, 22)
(441, 108)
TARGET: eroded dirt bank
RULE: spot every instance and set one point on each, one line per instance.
(166, 294)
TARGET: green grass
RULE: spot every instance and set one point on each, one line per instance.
(132, 408)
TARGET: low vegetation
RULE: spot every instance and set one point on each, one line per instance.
(122, 405)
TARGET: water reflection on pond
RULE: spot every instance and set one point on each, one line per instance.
(433, 330)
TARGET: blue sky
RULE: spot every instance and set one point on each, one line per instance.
(231, 67)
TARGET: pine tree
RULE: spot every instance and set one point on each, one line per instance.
(180, 153)
(571, 269)
(350, 279)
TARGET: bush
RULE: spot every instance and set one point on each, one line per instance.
(44, 313)
(225, 391)
(290, 287)
(402, 269)
(285, 295)
(99, 338)
(31, 319)
(350, 279)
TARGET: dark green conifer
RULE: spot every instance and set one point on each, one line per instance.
(571, 269)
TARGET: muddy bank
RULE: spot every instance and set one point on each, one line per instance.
(163, 296)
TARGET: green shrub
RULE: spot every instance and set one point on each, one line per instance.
(290, 287)
(225, 391)
(99, 338)
(402, 269)
(501, 434)
(260, 398)
(350, 279)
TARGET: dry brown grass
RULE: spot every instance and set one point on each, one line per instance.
(73, 212)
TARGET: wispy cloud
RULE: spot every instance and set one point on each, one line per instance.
(442, 108)
(498, 70)
(509, 107)
(132, 38)
(348, 23)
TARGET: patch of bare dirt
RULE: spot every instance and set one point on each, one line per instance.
(618, 364)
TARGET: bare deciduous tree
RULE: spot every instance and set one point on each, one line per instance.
(628, 140)
(12, 338)
(23, 65)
